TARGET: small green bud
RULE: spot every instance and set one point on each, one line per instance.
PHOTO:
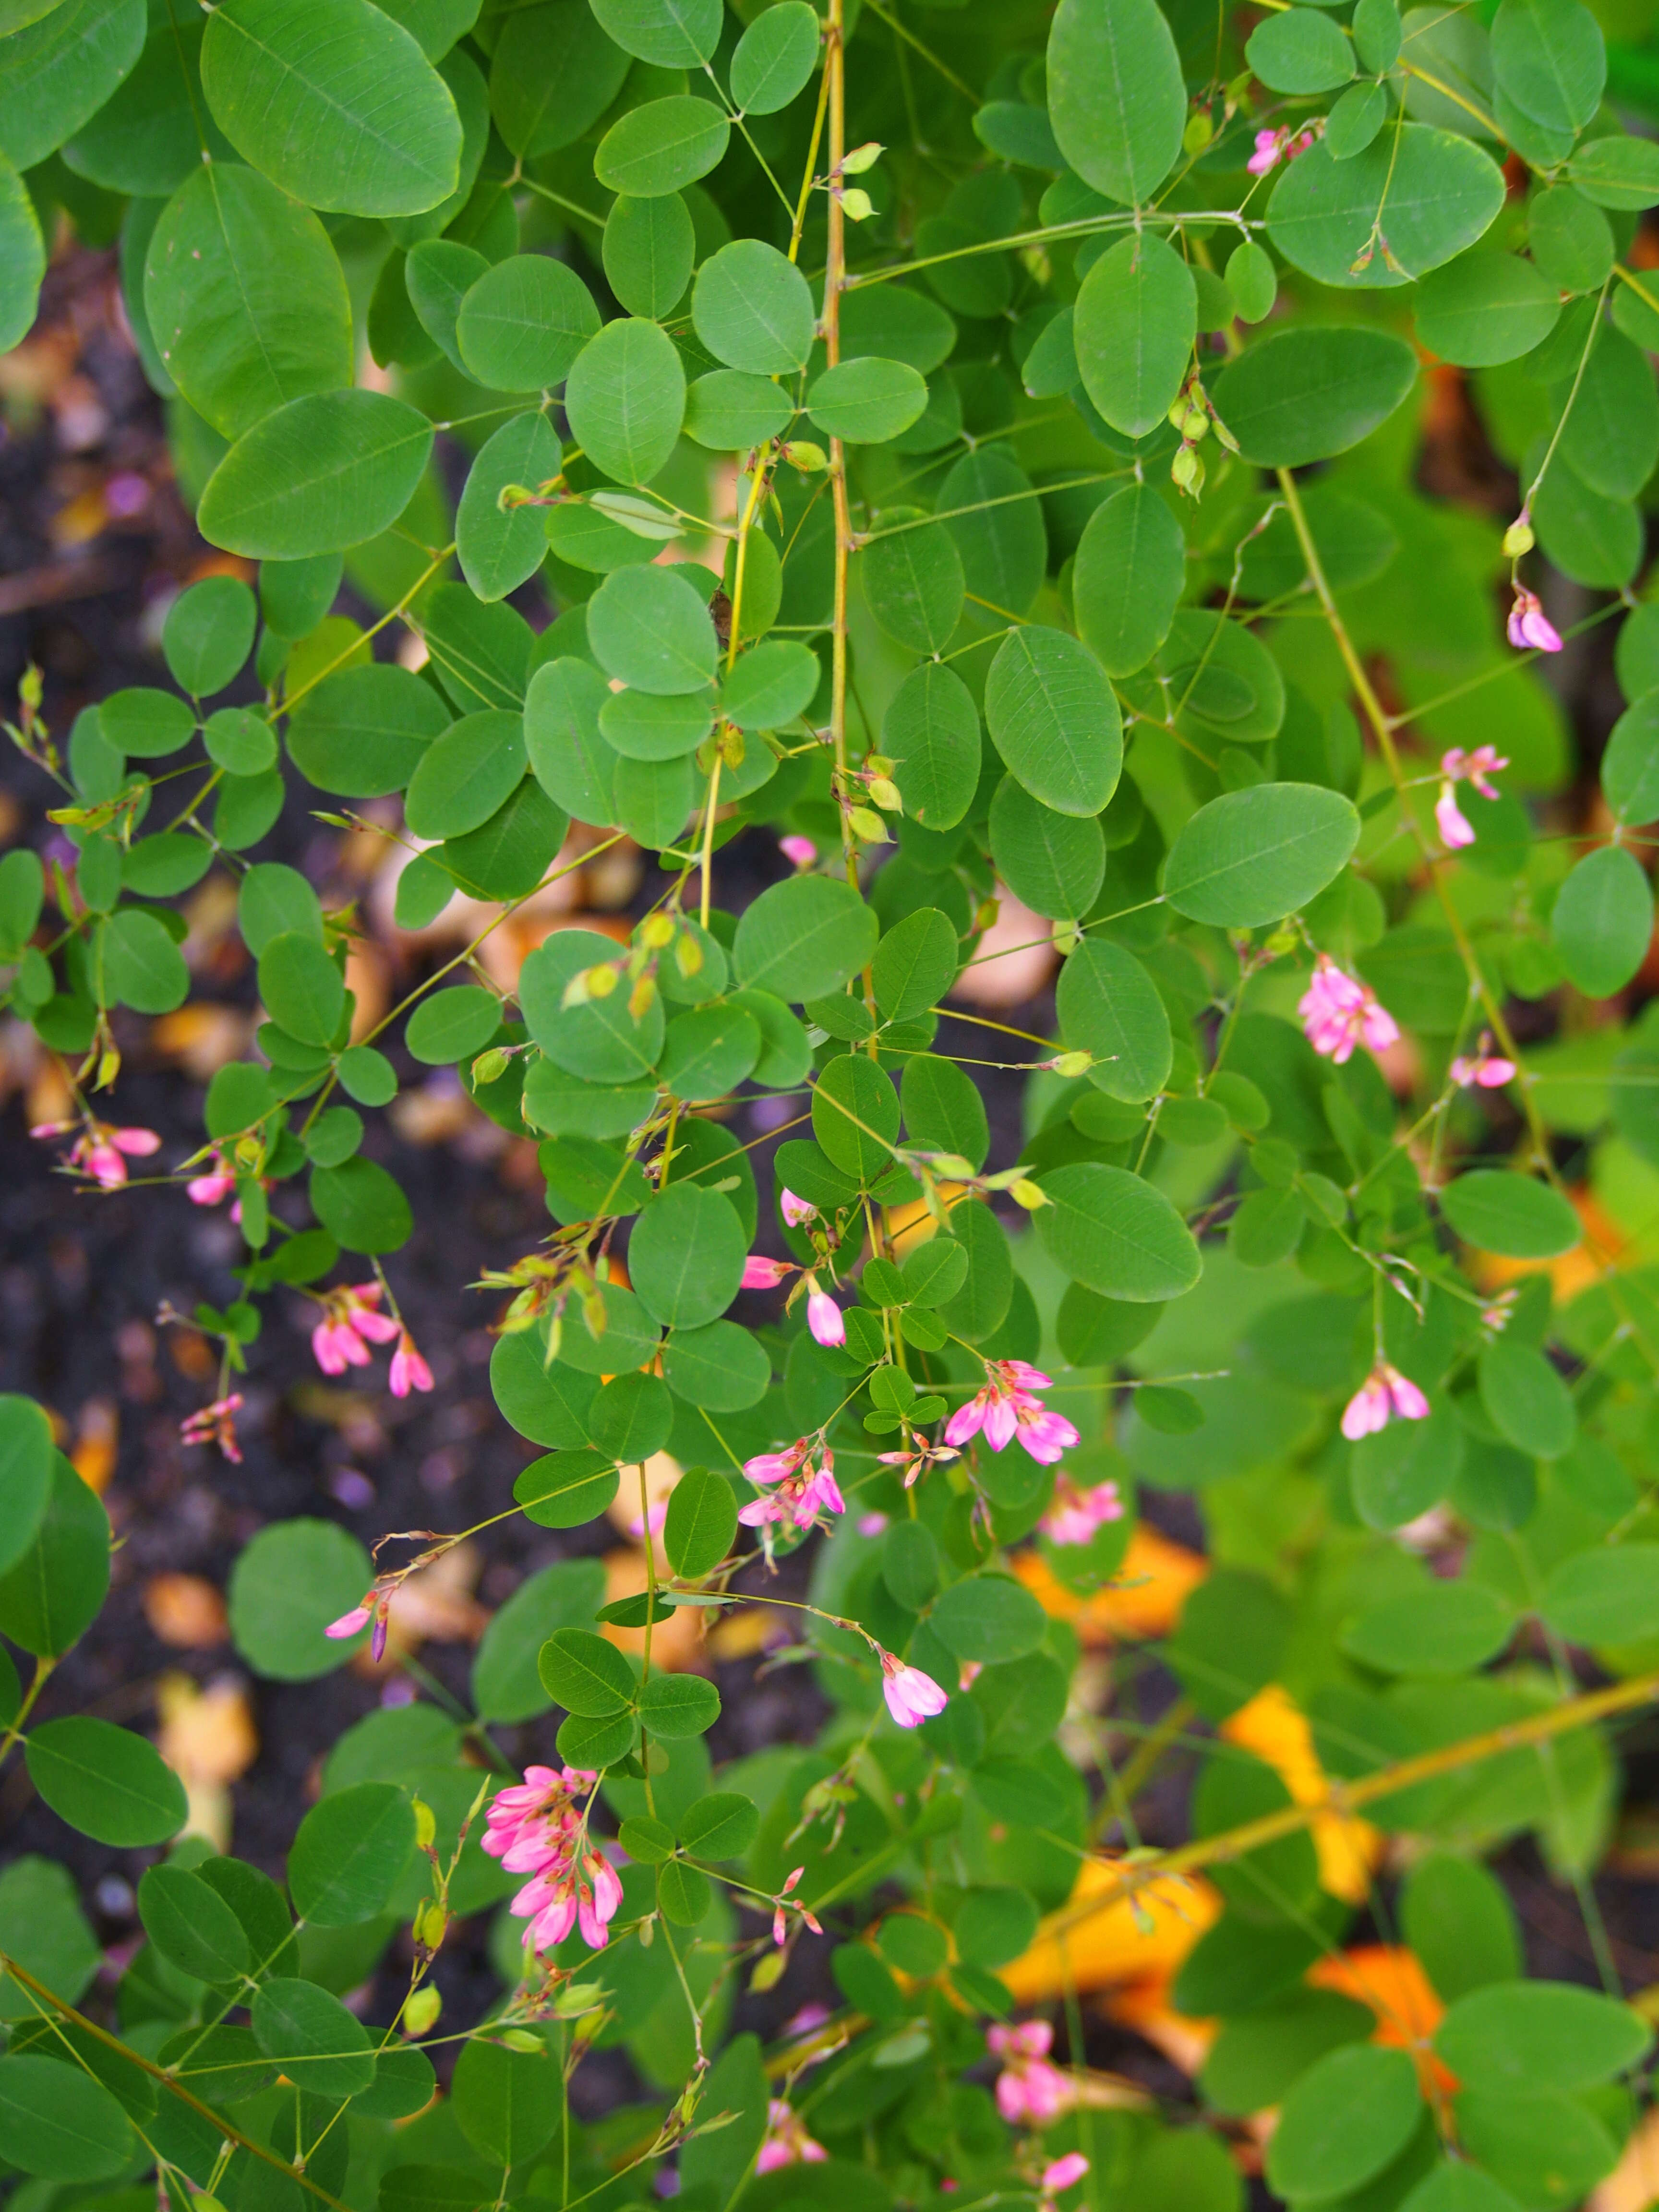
(420, 2012)
(1198, 132)
(862, 158)
(1518, 538)
(885, 793)
(1026, 1193)
(867, 825)
(801, 453)
(1073, 1063)
(426, 1824)
(857, 206)
(491, 1066)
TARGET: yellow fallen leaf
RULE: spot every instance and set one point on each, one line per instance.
(1143, 1598)
(185, 1611)
(1123, 1942)
(97, 1439)
(209, 1739)
(677, 1644)
(1634, 2182)
(1390, 1979)
(1274, 1728)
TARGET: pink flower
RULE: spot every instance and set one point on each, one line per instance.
(534, 1824)
(912, 1697)
(1064, 2172)
(352, 1623)
(875, 1524)
(1031, 2089)
(376, 1607)
(1384, 1393)
(581, 1892)
(918, 1459)
(795, 1210)
(409, 1371)
(1074, 1515)
(759, 1274)
(215, 1423)
(1004, 1408)
(1529, 626)
(1338, 1012)
(349, 1325)
(1490, 1070)
(787, 2141)
(1271, 146)
(1450, 820)
(101, 1151)
(1478, 766)
(824, 1318)
(801, 851)
(780, 1927)
(802, 1493)
(216, 1186)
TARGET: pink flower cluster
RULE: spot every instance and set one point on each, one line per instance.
(1061, 2173)
(1273, 146)
(1031, 2087)
(100, 1150)
(823, 1316)
(1488, 1069)
(799, 852)
(912, 1697)
(374, 1604)
(803, 1491)
(215, 1423)
(1384, 1393)
(1338, 1012)
(352, 1322)
(536, 1827)
(1074, 1515)
(780, 1924)
(1004, 1409)
(1478, 767)
(787, 2141)
(1529, 627)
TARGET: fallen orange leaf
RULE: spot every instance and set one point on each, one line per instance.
(1276, 1731)
(1143, 1598)
(1122, 1942)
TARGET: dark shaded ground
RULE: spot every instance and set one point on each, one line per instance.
(82, 1277)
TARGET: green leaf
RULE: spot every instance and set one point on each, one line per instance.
(553, 75)
(1521, 2035)
(1446, 1629)
(915, 965)
(1617, 172)
(106, 1781)
(1253, 856)
(631, 1418)
(567, 756)
(316, 474)
(1109, 1006)
(362, 1207)
(566, 1488)
(625, 397)
(721, 1367)
(59, 2122)
(23, 257)
(191, 1927)
(1486, 307)
(942, 1109)
(649, 249)
(51, 1593)
(138, 963)
(58, 71)
(1304, 395)
(364, 733)
(1054, 718)
(702, 1519)
(753, 309)
(674, 1706)
(671, 34)
(997, 527)
(720, 1826)
(1526, 1398)
(289, 1583)
(771, 684)
(803, 939)
(726, 409)
(313, 2038)
(1603, 922)
(1116, 97)
(1511, 1214)
(1053, 863)
(989, 1618)
(467, 773)
(1351, 2114)
(302, 989)
(1457, 1918)
(1549, 59)
(913, 579)
(1130, 572)
(661, 147)
(599, 1041)
(501, 550)
(43, 1928)
(452, 1025)
(1136, 318)
(350, 1851)
(776, 57)
(586, 1676)
(245, 298)
(1302, 51)
(523, 323)
(1230, 1641)
(866, 401)
(334, 102)
(506, 1685)
(686, 1256)
(855, 1116)
(209, 634)
(650, 629)
(26, 1475)
(1604, 1595)
(1429, 193)
(1115, 1234)
(509, 2104)
(931, 731)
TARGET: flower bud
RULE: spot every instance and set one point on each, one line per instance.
(1518, 538)
(109, 1066)
(1197, 424)
(862, 158)
(867, 825)
(986, 913)
(1198, 132)
(489, 1066)
(857, 206)
(1177, 414)
(1073, 1063)
(426, 1824)
(801, 453)
(1027, 1194)
(733, 750)
(1187, 470)
(769, 1971)
(420, 2012)
(885, 794)
(430, 1922)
